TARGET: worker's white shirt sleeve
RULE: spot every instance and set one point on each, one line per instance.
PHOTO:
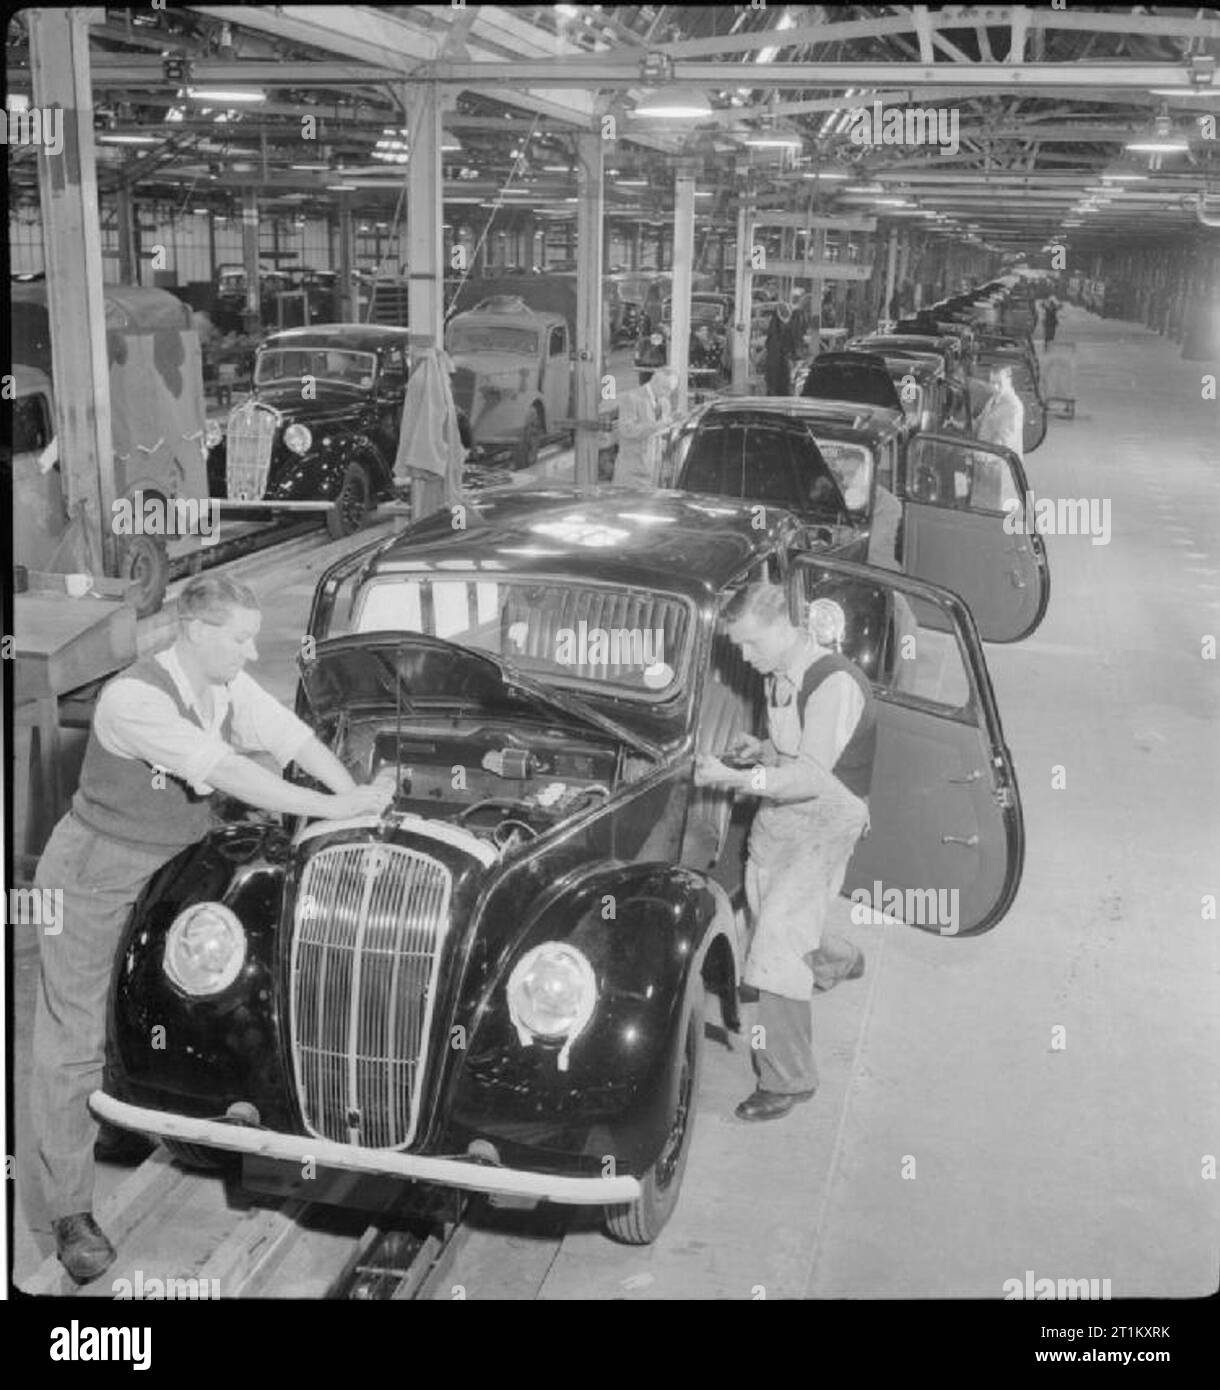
(262, 725)
(831, 715)
(136, 720)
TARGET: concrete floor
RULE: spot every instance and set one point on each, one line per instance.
(953, 1146)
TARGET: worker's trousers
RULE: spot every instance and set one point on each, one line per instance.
(100, 880)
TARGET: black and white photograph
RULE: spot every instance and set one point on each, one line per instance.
(610, 669)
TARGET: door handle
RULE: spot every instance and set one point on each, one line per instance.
(970, 777)
(970, 842)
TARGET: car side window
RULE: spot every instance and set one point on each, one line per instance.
(559, 342)
(907, 646)
(960, 478)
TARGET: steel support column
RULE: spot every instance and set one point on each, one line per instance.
(743, 295)
(129, 237)
(252, 318)
(590, 230)
(72, 256)
(425, 247)
(684, 253)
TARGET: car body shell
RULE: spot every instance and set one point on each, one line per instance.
(708, 357)
(348, 423)
(552, 1119)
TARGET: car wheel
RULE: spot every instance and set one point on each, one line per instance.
(144, 564)
(198, 1158)
(531, 440)
(641, 1222)
(352, 505)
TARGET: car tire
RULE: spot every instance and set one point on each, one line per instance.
(198, 1158)
(352, 505)
(526, 455)
(144, 564)
(641, 1222)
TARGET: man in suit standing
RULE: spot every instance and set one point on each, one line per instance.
(644, 415)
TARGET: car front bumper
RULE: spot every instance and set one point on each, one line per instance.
(466, 1174)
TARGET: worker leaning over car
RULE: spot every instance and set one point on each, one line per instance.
(814, 780)
(167, 733)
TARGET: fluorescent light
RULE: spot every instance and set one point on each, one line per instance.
(704, 193)
(129, 139)
(1208, 91)
(774, 141)
(224, 94)
(825, 174)
(1126, 178)
(631, 183)
(341, 187)
(1169, 144)
(675, 106)
(311, 168)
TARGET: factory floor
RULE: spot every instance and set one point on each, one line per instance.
(1042, 1097)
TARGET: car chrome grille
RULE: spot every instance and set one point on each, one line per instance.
(367, 931)
(250, 436)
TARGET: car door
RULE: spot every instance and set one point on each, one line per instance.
(968, 525)
(945, 846)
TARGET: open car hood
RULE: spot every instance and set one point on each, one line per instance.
(367, 668)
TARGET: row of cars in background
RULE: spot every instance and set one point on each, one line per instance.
(501, 984)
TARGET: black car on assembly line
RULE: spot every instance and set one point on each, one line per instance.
(321, 423)
(499, 984)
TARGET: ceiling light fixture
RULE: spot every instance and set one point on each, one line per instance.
(224, 94)
(775, 140)
(674, 106)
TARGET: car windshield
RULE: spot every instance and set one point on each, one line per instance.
(335, 365)
(492, 337)
(633, 640)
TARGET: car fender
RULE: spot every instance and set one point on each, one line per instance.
(195, 1055)
(320, 472)
(647, 930)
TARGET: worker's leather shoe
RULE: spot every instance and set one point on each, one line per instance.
(771, 1105)
(857, 969)
(122, 1146)
(82, 1246)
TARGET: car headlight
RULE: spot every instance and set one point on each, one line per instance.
(205, 949)
(298, 439)
(551, 994)
(213, 433)
(656, 340)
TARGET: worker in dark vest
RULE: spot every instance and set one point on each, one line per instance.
(167, 733)
(813, 775)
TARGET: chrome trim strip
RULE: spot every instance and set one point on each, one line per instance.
(448, 1172)
(443, 831)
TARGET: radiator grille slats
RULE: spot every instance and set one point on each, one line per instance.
(250, 437)
(369, 923)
